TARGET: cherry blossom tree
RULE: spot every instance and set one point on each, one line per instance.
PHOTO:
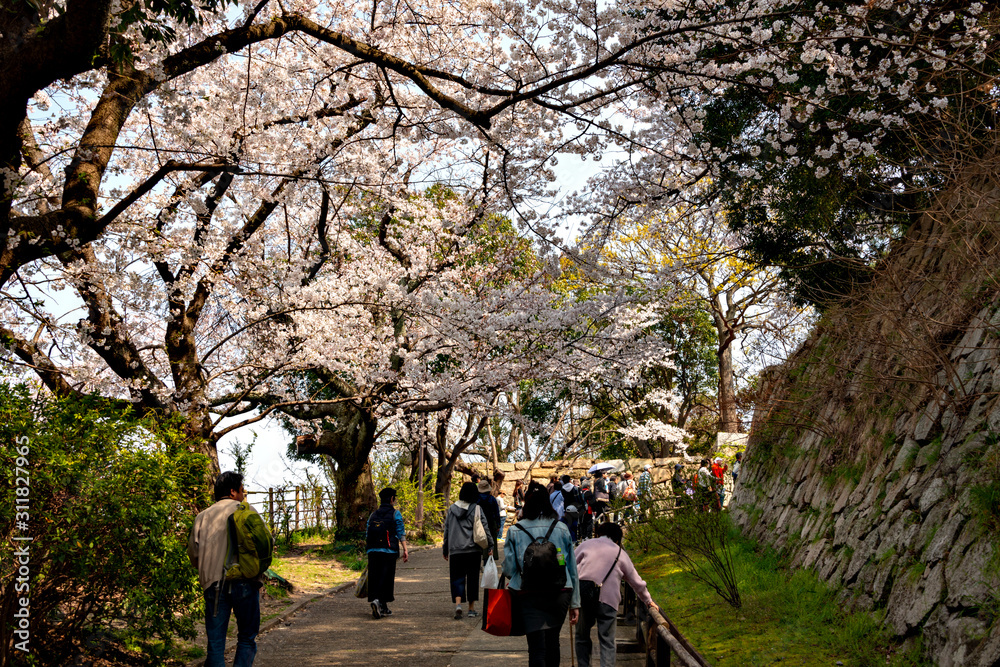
(233, 198)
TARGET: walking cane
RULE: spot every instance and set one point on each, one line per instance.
(572, 658)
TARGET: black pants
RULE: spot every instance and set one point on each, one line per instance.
(381, 576)
(463, 571)
(543, 648)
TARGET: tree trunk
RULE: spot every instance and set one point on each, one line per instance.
(355, 499)
(349, 445)
(729, 421)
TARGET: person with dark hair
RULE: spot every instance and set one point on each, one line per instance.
(573, 506)
(385, 536)
(542, 606)
(518, 498)
(490, 507)
(679, 486)
(586, 528)
(601, 494)
(602, 564)
(737, 467)
(462, 551)
(208, 547)
(498, 478)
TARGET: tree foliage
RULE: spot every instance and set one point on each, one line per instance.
(111, 501)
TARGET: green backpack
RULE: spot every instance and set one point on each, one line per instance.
(250, 544)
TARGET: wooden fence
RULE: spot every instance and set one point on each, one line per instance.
(287, 509)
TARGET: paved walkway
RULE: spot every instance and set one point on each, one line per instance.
(339, 629)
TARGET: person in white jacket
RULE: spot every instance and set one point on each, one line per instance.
(603, 562)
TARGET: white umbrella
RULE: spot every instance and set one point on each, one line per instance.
(600, 467)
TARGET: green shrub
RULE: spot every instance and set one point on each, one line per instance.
(111, 502)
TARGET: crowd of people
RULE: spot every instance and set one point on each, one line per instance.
(706, 489)
(581, 579)
(562, 557)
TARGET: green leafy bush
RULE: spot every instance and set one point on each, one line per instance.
(111, 500)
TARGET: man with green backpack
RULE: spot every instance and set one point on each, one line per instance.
(232, 549)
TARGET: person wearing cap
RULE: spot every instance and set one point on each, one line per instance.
(490, 507)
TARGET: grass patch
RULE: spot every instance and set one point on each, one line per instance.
(313, 562)
(787, 615)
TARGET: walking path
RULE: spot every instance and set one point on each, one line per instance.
(338, 629)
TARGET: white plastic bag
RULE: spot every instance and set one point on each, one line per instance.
(491, 579)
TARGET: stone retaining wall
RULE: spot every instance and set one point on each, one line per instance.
(867, 450)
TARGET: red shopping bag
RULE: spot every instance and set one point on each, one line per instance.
(498, 611)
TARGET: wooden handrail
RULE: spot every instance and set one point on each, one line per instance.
(658, 636)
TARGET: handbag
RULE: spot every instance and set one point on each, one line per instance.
(590, 591)
(361, 587)
(498, 611)
(478, 532)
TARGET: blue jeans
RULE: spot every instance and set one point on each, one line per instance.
(241, 598)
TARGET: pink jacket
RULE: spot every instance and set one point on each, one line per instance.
(593, 560)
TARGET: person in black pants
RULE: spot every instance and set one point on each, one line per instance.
(384, 537)
(462, 551)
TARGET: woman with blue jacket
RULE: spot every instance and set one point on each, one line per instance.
(542, 611)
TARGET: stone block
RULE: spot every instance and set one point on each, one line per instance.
(907, 452)
(843, 499)
(936, 491)
(840, 531)
(914, 598)
(811, 485)
(954, 646)
(883, 580)
(862, 556)
(927, 422)
(506, 467)
(958, 455)
(971, 340)
(894, 492)
(927, 453)
(944, 538)
(968, 577)
(987, 653)
(813, 552)
(522, 465)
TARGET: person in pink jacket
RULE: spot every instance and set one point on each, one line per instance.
(603, 563)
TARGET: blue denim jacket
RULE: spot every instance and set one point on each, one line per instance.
(517, 542)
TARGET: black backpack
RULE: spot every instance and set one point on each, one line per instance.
(382, 530)
(572, 499)
(541, 572)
